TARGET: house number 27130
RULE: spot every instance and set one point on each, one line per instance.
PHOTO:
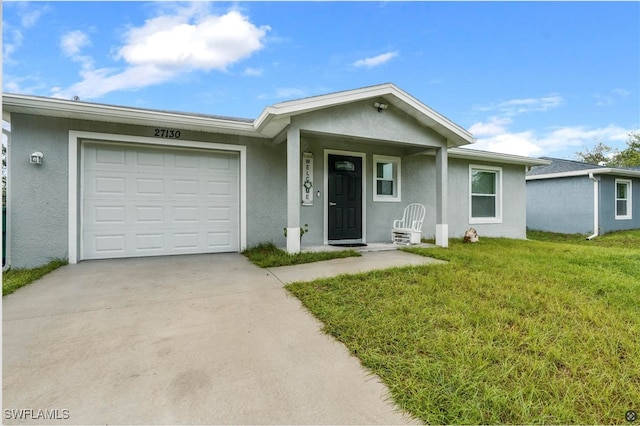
(167, 133)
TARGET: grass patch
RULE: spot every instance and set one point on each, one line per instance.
(509, 331)
(267, 255)
(13, 279)
(628, 239)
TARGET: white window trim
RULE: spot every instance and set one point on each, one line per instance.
(498, 217)
(398, 178)
(629, 215)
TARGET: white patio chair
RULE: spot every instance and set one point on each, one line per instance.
(408, 230)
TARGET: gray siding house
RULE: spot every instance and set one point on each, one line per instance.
(115, 181)
(573, 197)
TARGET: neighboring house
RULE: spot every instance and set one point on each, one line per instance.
(125, 182)
(574, 197)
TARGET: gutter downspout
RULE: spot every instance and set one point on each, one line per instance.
(596, 207)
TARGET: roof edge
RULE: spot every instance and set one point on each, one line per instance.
(100, 112)
(473, 154)
(309, 104)
(600, 171)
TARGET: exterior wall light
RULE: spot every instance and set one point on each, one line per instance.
(36, 158)
(381, 107)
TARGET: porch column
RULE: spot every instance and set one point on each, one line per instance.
(293, 189)
(442, 228)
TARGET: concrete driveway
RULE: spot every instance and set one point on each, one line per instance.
(204, 339)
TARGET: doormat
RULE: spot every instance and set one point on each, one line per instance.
(349, 245)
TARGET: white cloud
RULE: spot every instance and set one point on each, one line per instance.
(289, 93)
(523, 143)
(98, 82)
(375, 60)
(495, 126)
(30, 15)
(525, 105)
(73, 41)
(611, 98)
(252, 72)
(214, 42)
(621, 92)
(13, 33)
(550, 142)
(166, 46)
(12, 42)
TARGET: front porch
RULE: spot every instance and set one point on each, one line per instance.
(351, 167)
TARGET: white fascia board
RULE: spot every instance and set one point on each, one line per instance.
(107, 113)
(605, 171)
(468, 154)
(433, 116)
(332, 99)
(390, 92)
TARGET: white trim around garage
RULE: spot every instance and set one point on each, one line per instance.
(74, 168)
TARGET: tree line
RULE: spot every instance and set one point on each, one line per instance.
(605, 155)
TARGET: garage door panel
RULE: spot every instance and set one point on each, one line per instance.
(151, 201)
(109, 214)
(109, 185)
(108, 156)
(149, 186)
(150, 159)
(149, 214)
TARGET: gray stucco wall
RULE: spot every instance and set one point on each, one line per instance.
(562, 205)
(361, 120)
(39, 194)
(565, 205)
(608, 221)
(418, 185)
(39, 200)
(513, 223)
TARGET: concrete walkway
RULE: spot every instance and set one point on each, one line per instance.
(369, 261)
(203, 339)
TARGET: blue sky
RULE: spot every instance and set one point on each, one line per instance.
(528, 78)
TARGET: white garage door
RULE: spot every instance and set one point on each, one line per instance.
(147, 201)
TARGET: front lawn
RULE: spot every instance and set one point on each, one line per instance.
(13, 279)
(267, 255)
(621, 239)
(508, 331)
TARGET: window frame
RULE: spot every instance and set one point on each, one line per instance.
(397, 178)
(497, 171)
(628, 183)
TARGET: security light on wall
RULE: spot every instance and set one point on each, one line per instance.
(381, 107)
(36, 158)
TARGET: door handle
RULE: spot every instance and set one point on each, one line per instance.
(331, 204)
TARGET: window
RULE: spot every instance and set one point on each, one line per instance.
(485, 189)
(623, 199)
(386, 178)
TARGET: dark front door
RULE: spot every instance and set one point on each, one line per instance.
(345, 197)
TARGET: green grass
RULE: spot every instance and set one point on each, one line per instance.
(508, 331)
(267, 255)
(13, 279)
(628, 239)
